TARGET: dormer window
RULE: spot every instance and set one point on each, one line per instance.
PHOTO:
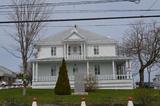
(96, 50)
(53, 51)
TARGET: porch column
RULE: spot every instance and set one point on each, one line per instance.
(128, 69)
(113, 69)
(84, 50)
(66, 51)
(81, 50)
(33, 71)
(87, 68)
(36, 71)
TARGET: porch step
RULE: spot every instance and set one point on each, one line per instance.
(115, 84)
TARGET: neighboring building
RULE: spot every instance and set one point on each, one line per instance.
(6, 75)
(156, 82)
(85, 52)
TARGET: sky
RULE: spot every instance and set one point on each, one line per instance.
(112, 28)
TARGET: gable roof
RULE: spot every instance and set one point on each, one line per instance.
(89, 37)
(6, 72)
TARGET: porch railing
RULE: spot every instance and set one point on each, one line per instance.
(52, 78)
(116, 77)
(75, 57)
(98, 77)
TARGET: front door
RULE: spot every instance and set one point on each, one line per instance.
(75, 69)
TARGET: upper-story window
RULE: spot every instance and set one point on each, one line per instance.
(74, 49)
(96, 50)
(97, 69)
(53, 51)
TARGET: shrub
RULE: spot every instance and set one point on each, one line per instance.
(90, 83)
(62, 85)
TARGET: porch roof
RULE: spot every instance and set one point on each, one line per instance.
(116, 58)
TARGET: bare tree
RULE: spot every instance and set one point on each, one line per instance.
(26, 33)
(143, 44)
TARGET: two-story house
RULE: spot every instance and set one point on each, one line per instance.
(85, 52)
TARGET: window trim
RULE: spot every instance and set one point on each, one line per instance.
(53, 71)
(75, 69)
(53, 51)
(97, 69)
(96, 49)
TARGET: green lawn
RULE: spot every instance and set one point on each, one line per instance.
(48, 96)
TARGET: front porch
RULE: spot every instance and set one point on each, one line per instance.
(103, 82)
(110, 74)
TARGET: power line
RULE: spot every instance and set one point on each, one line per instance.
(67, 3)
(83, 11)
(86, 25)
(81, 19)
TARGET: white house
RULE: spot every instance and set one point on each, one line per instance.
(85, 52)
(156, 82)
(6, 75)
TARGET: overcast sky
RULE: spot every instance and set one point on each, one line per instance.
(113, 28)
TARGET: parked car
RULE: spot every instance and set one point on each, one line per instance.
(18, 82)
(3, 84)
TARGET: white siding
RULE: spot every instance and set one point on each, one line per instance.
(45, 52)
(74, 36)
(1, 73)
(104, 50)
(44, 69)
(82, 67)
(105, 68)
(107, 50)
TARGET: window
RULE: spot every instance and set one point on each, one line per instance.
(80, 52)
(97, 69)
(53, 51)
(74, 49)
(96, 50)
(69, 50)
(53, 71)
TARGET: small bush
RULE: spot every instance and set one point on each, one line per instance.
(90, 83)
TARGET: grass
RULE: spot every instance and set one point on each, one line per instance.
(48, 96)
